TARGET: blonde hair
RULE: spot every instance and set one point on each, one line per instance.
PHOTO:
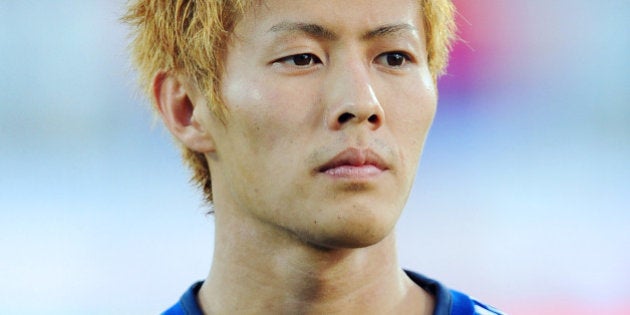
(190, 37)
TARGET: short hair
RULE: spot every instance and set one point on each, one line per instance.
(191, 37)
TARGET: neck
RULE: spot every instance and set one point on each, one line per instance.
(267, 270)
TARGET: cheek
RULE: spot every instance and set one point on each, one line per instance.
(410, 115)
(411, 111)
(251, 112)
(269, 115)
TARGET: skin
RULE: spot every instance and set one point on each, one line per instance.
(308, 82)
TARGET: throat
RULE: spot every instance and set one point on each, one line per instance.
(309, 280)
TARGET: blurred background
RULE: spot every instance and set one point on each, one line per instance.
(522, 198)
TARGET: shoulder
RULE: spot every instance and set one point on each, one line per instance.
(452, 302)
(464, 304)
(484, 309)
(187, 304)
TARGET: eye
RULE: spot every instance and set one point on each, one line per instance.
(300, 60)
(394, 59)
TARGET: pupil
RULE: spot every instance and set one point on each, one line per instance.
(302, 60)
(395, 59)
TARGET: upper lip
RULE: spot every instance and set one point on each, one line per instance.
(354, 157)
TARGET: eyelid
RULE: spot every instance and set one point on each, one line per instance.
(405, 54)
(408, 58)
(286, 64)
(292, 56)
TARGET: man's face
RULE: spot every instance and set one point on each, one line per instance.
(330, 103)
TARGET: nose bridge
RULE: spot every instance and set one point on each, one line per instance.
(350, 95)
(358, 83)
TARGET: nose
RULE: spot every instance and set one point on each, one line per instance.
(351, 99)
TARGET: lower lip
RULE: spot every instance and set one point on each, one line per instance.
(354, 172)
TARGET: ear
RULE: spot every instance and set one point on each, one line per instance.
(176, 102)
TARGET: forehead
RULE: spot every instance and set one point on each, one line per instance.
(340, 17)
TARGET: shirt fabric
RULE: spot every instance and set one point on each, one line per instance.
(447, 301)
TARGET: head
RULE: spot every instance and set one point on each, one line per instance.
(190, 38)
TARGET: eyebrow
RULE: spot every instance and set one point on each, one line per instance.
(319, 31)
(389, 30)
(313, 30)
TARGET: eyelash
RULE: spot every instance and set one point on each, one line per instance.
(312, 59)
(396, 54)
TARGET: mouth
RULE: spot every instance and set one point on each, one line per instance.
(354, 163)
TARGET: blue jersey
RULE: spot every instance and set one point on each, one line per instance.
(447, 301)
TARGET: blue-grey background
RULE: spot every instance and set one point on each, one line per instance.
(522, 197)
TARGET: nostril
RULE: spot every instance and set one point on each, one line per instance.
(373, 119)
(345, 117)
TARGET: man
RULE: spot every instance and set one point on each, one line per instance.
(304, 122)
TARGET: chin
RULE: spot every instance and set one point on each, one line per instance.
(350, 240)
(352, 229)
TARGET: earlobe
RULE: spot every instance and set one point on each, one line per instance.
(176, 104)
